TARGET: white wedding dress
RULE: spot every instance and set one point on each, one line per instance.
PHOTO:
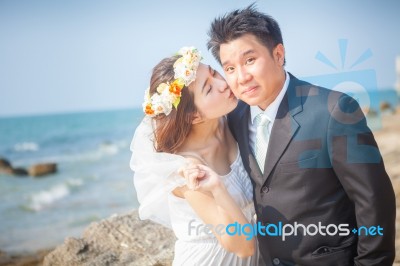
(154, 179)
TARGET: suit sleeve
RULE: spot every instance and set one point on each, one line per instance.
(358, 164)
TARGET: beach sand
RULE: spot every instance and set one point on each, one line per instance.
(388, 139)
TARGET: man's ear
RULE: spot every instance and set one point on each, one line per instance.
(279, 53)
(197, 118)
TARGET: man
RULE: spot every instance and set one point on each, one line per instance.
(315, 167)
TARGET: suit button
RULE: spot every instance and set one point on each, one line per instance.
(265, 189)
(276, 261)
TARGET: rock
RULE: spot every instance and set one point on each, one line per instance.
(5, 166)
(385, 106)
(23, 259)
(42, 169)
(119, 240)
(19, 172)
(4, 163)
(35, 170)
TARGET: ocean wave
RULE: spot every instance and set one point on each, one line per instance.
(96, 153)
(107, 148)
(46, 198)
(26, 146)
(104, 149)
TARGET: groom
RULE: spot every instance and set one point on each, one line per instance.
(316, 169)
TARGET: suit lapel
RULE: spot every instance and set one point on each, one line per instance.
(248, 158)
(284, 128)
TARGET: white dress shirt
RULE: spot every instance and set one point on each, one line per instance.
(270, 112)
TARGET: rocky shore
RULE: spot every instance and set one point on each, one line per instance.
(125, 240)
(118, 240)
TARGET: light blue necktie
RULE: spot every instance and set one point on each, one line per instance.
(262, 139)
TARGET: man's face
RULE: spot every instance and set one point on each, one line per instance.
(254, 74)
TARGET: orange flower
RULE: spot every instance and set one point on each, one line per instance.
(176, 88)
(148, 110)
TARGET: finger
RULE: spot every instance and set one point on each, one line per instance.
(201, 174)
(192, 180)
(207, 170)
(190, 172)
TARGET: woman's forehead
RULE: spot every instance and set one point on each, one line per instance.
(202, 74)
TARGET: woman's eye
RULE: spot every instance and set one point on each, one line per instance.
(209, 90)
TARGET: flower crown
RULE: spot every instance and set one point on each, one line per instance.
(169, 94)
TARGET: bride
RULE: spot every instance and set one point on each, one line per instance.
(189, 175)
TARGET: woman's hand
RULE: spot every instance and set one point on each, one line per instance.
(209, 198)
(201, 177)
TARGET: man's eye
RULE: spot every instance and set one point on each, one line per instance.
(250, 60)
(229, 69)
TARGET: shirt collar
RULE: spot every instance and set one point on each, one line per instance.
(272, 109)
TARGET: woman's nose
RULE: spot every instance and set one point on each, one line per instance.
(222, 85)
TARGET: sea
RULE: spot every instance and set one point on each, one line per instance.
(93, 181)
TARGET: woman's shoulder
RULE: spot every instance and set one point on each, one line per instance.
(193, 157)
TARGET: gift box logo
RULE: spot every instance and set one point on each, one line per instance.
(359, 84)
(362, 86)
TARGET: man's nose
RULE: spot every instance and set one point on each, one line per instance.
(243, 75)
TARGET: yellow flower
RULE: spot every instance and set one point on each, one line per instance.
(176, 87)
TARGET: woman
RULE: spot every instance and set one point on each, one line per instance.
(188, 171)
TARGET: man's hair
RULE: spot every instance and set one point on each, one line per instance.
(240, 22)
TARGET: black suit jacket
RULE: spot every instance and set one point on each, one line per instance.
(322, 166)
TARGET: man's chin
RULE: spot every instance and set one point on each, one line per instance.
(250, 101)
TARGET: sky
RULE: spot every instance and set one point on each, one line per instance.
(71, 56)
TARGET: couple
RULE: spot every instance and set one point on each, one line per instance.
(300, 157)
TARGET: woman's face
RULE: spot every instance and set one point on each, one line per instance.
(212, 96)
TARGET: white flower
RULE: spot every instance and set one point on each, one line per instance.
(160, 104)
(186, 66)
(185, 69)
(147, 95)
(186, 49)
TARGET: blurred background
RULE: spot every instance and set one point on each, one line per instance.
(73, 75)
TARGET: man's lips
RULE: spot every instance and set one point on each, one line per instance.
(249, 90)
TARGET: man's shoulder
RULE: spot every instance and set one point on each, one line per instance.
(302, 88)
(313, 95)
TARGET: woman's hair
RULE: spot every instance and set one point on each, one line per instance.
(240, 22)
(172, 129)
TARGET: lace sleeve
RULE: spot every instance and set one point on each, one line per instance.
(155, 174)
